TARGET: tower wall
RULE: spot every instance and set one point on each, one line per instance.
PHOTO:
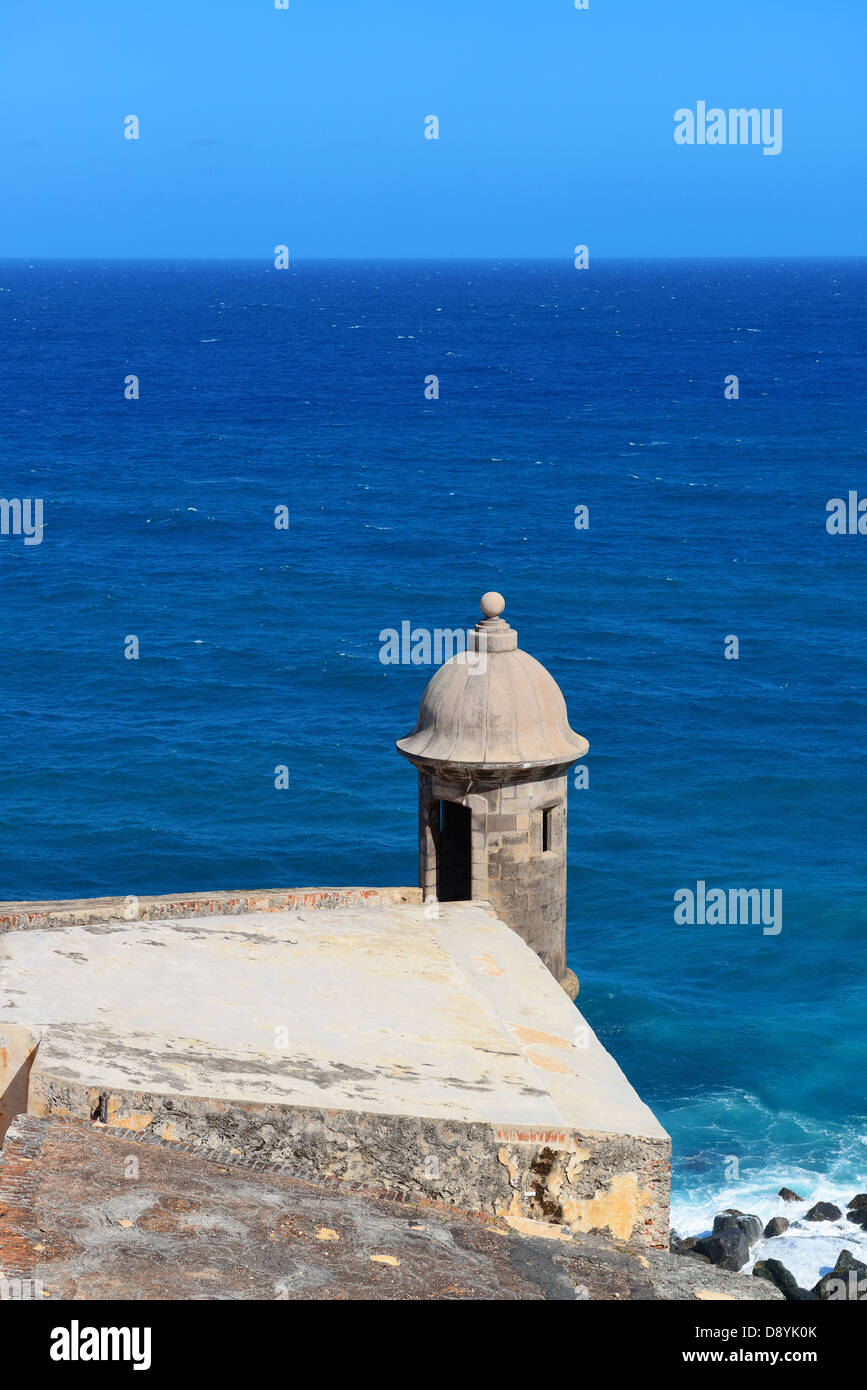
(518, 851)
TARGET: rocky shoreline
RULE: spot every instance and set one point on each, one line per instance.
(735, 1233)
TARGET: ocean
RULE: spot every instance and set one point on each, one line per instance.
(259, 647)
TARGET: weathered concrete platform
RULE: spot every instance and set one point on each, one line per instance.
(434, 1057)
(90, 1213)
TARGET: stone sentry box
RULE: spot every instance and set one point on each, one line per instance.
(492, 745)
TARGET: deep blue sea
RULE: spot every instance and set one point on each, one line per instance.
(260, 647)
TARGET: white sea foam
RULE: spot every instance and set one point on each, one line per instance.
(808, 1249)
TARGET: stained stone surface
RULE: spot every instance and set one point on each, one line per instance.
(375, 1008)
(86, 1214)
(434, 1054)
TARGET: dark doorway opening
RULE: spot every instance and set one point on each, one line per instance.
(454, 873)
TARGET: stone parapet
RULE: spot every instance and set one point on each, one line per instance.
(19, 916)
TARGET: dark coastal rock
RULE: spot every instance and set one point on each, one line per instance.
(686, 1247)
(784, 1280)
(846, 1283)
(729, 1249)
(823, 1211)
(776, 1226)
(788, 1195)
(857, 1202)
(774, 1270)
(731, 1218)
(846, 1261)
(837, 1287)
(859, 1216)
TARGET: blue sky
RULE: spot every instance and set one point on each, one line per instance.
(306, 127)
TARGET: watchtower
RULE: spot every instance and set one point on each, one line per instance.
(492, 745)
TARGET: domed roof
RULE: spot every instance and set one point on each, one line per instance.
(493, 706)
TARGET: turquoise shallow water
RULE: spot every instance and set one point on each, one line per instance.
(261, 647)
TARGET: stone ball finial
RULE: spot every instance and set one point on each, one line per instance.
(492, 604)
(499, 715)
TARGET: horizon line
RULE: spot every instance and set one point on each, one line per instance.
(267, 261)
